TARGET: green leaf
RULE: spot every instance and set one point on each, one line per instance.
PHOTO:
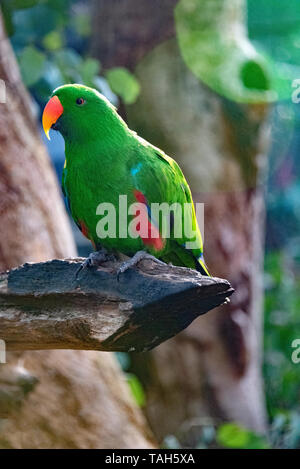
(82, 24)
(21, 4)
(231, 435)
(89, 69)
(53, 41)
(32, 63)
(136, 389)
(35, 23)
(124, 84)
(225, 61)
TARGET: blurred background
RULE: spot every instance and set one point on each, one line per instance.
(211, 82)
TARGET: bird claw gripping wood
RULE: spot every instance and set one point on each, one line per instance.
(95, 259)
(139, 256)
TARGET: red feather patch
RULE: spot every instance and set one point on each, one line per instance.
(153, 237)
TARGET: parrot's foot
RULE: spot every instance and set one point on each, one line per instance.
(139, 256)
(95, 259)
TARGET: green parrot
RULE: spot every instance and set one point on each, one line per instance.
(106, 162)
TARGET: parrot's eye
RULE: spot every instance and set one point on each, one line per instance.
(80, 101)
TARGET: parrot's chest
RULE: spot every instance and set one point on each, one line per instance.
(97, 191)
(89, 186)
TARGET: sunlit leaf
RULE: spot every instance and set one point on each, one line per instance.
(231, 435)
(136, 389)
(227, 62)
(124, 84)
(53, 40)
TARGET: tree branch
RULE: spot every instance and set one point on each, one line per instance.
(44, 305)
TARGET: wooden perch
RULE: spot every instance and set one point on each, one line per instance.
(44, 305)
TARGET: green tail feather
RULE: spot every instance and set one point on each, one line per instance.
(201, 267)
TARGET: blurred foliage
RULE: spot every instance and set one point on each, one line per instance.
(255, 68)
(274, 28)
(284, 433)
(231, 435)
(32, 63)
(133, 381)
(282, 327)
(228, 435)
(283, 184)
(124, 84)
(51, 39)
(136, 389)
(285, 430)
(231, 66)
(224, 59)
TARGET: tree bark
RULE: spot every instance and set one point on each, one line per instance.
(221, 147)
(98, 310)
(129, 29)
(52, 399)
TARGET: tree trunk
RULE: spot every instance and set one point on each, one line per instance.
(49, 399)
(214, 367)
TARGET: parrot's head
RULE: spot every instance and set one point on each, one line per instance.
(78, 112)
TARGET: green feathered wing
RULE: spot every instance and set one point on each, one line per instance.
(160, 180)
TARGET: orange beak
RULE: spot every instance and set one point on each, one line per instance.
(51, 114)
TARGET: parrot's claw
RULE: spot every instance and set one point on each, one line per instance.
(95, 259)
(140, 255)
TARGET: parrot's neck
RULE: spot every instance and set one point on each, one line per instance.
(105, 136)
(109, 144)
